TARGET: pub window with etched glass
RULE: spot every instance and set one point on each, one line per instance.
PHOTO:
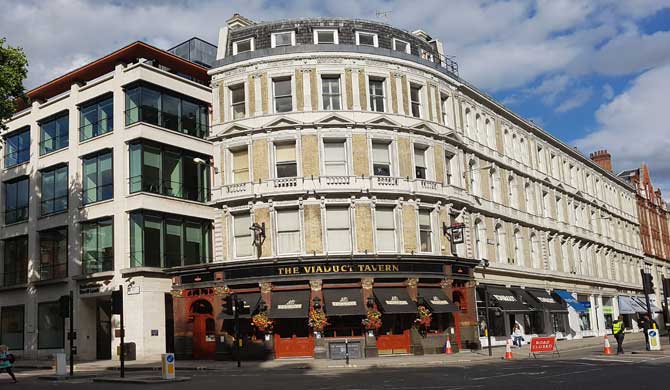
(96, 118)
(338, 229)
(330, 92)
(288, 232)
(17, 196)
(15, 261)
(97, 239)
(385, 229)
(381, 158)
(53, 253)
(165, 240)
(54, 190)
(17, 147)
(425, 231)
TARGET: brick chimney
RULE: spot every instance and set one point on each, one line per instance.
(602, 158)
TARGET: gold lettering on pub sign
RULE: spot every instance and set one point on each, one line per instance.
(337, 268)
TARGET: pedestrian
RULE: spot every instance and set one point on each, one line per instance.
(647, 324)
(618, 329)
(518, 335)
(6, 361)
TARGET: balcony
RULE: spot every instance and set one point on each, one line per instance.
(336, 184)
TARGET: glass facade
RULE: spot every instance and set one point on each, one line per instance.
(50, 326)
(96, 118)
(54, 133)
(97, 239)
(53, 253)
(17, 147)
(15, 261)
(168, 171)
(166, 109)
(54, 190)
(98, 177)
(165, 241)
(16, 200)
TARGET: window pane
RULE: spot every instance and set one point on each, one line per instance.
(11, 326)
(243, 46)
(240, 166)
(151, 103)
(106, 177)
(238, 101)
(193, 249)
(136, 240)
(151, 170)
(189, 118)
(170, 114)
(283, 39)
(61, 190)
(152, 242)
(17, 148)
(133, 103)
(173, 234)
(285, 152)
(337, 218)
(50, 326)
(90, 180)
(135, 167)
(287, 170)
(283, 98)
(172, 180)
(380, 152)
(385, 218)
(243, 239)
(386, 240)
(325, 37)
(366, 39)
(339, 240)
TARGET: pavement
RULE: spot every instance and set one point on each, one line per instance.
(581, 365)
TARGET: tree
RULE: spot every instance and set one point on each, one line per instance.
(13, 70)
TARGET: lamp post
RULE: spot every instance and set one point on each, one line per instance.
(485, 264)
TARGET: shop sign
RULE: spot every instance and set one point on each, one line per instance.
(608, 310)
(396, 301)
(504, 298)
(546, 300)
(542, 345)
(586, 304)
(437, 301)
(290, 305)
(343, 268)
(344, 302)
(91, 288)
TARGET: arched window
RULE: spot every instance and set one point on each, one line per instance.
(501, 252)
(468, 123)
(201, 306)
(528, 197)
(513, 196)
(518, 248)
(490, 134)
(551, 253)
(478, 128)
(493, 183)
(472, 177)
(535, 255)
(480, 240)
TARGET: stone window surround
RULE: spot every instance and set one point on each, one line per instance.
(336, 40)
(273, 38)
(252, 45)
(375, 38)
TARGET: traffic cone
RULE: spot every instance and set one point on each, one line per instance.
(508, 351)
(608, 349)
(448, 349)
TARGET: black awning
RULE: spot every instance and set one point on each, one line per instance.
(394, 301)
(344, 302)
(251, 303)
(437, 300)
(526, 298)
(505, 299)
(546, 300)
(290, 304)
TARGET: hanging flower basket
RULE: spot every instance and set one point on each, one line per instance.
(317, 320)
(373, 320)
(424, 318)
(261, 322)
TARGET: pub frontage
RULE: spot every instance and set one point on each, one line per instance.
(325, 308)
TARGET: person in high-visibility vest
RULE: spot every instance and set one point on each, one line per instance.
(618, 329)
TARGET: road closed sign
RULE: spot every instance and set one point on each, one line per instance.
(654, 340)
(543, 345)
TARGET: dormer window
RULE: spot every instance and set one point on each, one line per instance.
(243, 45)
(366, 39)
(325, 37)
(285, 38)
(399, 45)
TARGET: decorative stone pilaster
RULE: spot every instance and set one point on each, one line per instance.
(316, 284)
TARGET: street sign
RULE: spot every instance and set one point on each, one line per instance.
(654, 340)
(543, 345)
(167, 366)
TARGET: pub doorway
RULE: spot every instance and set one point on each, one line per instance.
(103, 332)
(204, 333)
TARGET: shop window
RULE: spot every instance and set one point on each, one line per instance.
(12, 326)
(97, 246)
(17, 147)
(50, 326)
(54, 190)
(54, 133)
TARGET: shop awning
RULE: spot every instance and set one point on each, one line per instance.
(626, 305)
(546, 301)
(344, 302)
(394, 301)
(251, 301)
(290, 304)
(643, 303)
(570, 300)
(505, 299)
(437, 300)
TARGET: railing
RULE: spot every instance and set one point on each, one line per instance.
(169, 121)
(101, 264)
(14, 278)
(53, 271)
(18, 214)
(168, 188)
(53, 205)
(53, 144)
(16, 157)
(96, 194)
(95, 129)
(165, 260)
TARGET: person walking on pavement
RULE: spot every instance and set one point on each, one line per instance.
(5, 361)
(518, 335)
(618, 329)
(645, 325)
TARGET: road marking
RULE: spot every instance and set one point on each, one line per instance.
(616, 360)
(570, 373)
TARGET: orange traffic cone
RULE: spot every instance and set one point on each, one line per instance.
(608, 349)
(448, 349)
(508, 351)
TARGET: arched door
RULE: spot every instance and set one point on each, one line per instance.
(204, 334)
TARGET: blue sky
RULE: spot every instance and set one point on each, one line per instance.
(594, 73)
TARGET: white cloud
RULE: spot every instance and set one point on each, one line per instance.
(634, 126)
(577, 98)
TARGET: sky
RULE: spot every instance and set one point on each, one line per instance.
(594, 73)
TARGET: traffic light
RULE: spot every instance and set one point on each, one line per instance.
(239, 306)
(64, 303)
(648, 283)
(117, 302)
(227, 305)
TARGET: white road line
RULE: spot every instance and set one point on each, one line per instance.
(569, 373)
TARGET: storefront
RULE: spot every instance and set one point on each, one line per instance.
(549, 315)
(608, 313)
(505, 309)
(582, 312)
(320, 308)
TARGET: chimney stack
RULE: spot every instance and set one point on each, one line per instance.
(602, 158)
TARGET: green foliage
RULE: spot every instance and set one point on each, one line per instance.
(13, 70)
